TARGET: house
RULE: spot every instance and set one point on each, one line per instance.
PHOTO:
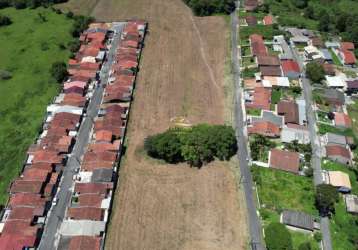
(251, 5)
(264, 128)
(257, 45)
(351, 202)
(280, 45)
(342, 120)
(290, 69)
(294, 132)
(17, 241)
(278, 81)
(284, 160)
(332, 45)
(268, 60)
(302, 111)
(312, 53)
(297, 221)
(337, 179)
(326, 55)
(331, 139)
(347, 57)
(270, 70)
(85, 213)
(260, 99)
(288, 109)
(268, 20)
(333, 96)
(339, 154)
(82, 228)
(335, 82)
(269, 116)
(84, 243)
(347, 46)
(329, 69)
(251, 20)
(316, 42)
(352, 86)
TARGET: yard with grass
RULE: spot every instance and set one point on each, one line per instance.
(335, 59)
(278, 190)
(324, 128)
(276, 95)
(253, 111)
(266, 31)
(322, 117)
(28, 47)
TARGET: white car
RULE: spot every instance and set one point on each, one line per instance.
(54, 201)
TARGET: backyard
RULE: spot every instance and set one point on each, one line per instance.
(28, 47)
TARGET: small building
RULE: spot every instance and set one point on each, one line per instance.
(290, 69)
(352, 86)
(333, 96)
(268, 20)
(251, 20)
(347, 46)
(280, 43)
(302, 111)
(295, 133)
(347, 57)
(82, 227)
(335, 82)
(284, 160)
(335, 139)
(326, 55)
(337, 179)
(268, 61)
(251, 5)
(288, 109)
(312, 53)
(298, 221)
(342, 120)
(270, 71)
(269, 116)
(259, 99)
(264, 128)
(329, 69)
(332, 45)
(339, 154)
(351, 202)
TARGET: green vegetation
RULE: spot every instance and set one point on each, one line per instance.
(4, 20)
(323, 117)
(277, 237)
(325, 198)
(324, 128)
(253, 112)
(197, 145)
(21, 4)
(80, 24)
(335, 58)
(249, 72)
(210, 7)
(267, 31)
(315, 72)
(59, 71)
(260, 145)
(27, 87)
(275, 95)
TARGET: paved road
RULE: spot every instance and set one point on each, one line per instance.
(50, 238)
(255, 231)
(316, 147)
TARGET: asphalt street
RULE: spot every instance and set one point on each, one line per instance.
(316, 146)
(255, 230)
(56, 215)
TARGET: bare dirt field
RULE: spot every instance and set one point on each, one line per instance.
(158, 206)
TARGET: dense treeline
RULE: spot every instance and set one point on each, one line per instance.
(197, 145)
(210, 7)
(21, 4)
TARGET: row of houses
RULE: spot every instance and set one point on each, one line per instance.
(32, 193)
(84, 226)
(252, 20)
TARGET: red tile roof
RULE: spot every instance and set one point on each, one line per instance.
(264, 128)
(16, 241)
(20, 186)
(19, 227)
(85, 213)
(270, 70)
(90, 200)
(347, 46)
(336, 150)
(290, 66)
(35, 174)
(26, 199)
(93, 188)
(284, 160)
(85, 243)
(261, 99)
(268, 20)
(289, 109)
(26, 213)
(342, 120)
(349, 57)
(104, 135)
(46, 156)
(268, 61)
(251, 20)
(103, 146)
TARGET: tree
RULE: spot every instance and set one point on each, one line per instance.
(330, 115)
(5, 20)
(74, 45)
(80, 24)
(325, 198)
(277, 237)
(315, 72)
(223, 142)
(59, 71)
(305, 246)
(324, 21)
(309, 12)
(165, 146)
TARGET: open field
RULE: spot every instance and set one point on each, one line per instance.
(158, 206)
(28, 47)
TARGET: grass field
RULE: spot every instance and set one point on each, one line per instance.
(182, 73)
(28, 47)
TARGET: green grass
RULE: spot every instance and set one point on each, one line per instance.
(275, 95)
(322, 116)
(249, 72)
(28, 47)
(259, 15)
(266, 31)
(254, 112)
(335, 59)
(324, 128)
(281, 190)
(334, 166)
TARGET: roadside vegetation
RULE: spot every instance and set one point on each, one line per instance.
(34, 40)
(22, 4)
(210, 7)
(197, 145)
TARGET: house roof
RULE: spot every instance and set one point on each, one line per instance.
(82, 227)
(342, 120)
(289, 110)
(102, 175)
(93, 188)
(261, 98)
(271, 70)
(336, 150)
(35, 174)
(290, 66)
(329, 69)
(351, 201)
(347, 46)
(268, 60)
(349, 57)
(16, 241)
(352, 84)
(26, 213)
(264, 128)
(90, 200)
(291, 134)
(284, 160)
(339, 179)
(19, 227)
(298, 219)
(251, 20)
(333, 96)
(268, 20)
(270, 117)
(20, 186)
(336, 139)
(84, 243)
(104, 146)
(335, 81)
(26, 199)
(85, 213)
(104, 135)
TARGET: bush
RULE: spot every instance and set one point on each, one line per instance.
(80, 24)
(5, 75)
(197, 146)
(277, 237)
(317, 236)
(59, 71)
(4, 20)
(315, 72)
(74, 45)
(305, 246)
(210, 7)
(325, 198)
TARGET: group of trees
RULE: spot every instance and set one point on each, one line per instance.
(325, 199)
(259, 145)
(197, 145)
(315, 72)
(210, 7)
(59, 71)
(277, 237)
(21, 4)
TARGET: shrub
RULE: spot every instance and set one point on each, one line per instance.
(315, 72)
(80, 24)
(305, 246)
(325, 198)
(317, 236)
(5, 75)
(277, 237)
(59, 71)
(4, 20)
(210, 7)
(197, 146)
(74, 45)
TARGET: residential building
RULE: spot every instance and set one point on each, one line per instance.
(298, 221)
(290, 69)
(288, 109)
(337, 179)
(284, 160)
(351, 202)
(339, 154)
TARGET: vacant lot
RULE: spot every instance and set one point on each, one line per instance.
(158, 206)
(28, 47)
